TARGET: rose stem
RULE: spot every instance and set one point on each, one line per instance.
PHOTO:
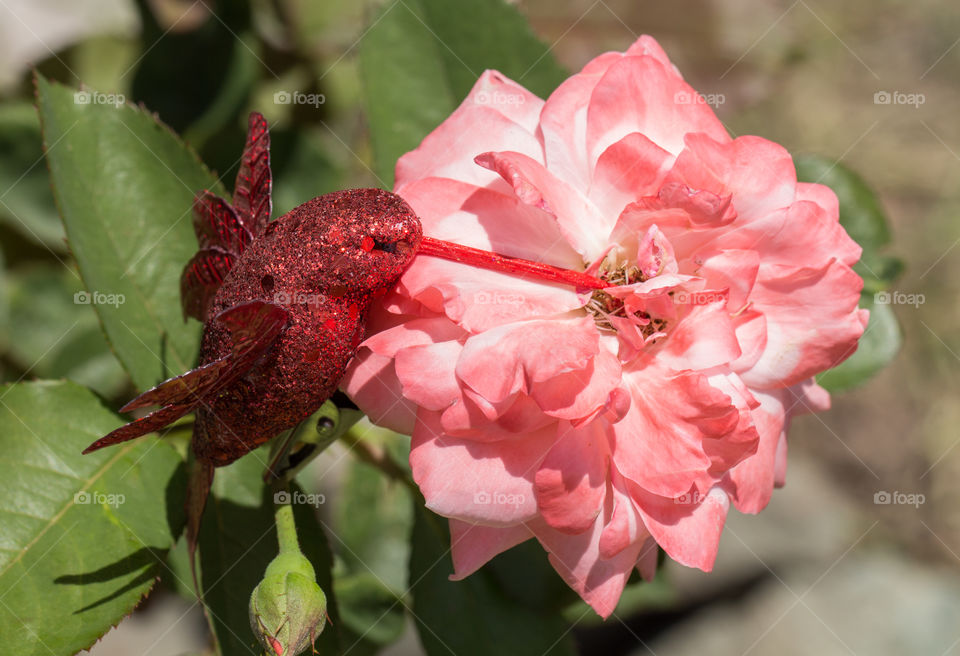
(494, 262)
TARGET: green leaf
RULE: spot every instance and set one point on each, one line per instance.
(51, 336)
(420, 58)
(237, 542)
(879, 345)
(472, 616)
(863, 218)
(860, 214)
(26, 203)
(124, 184)
(373, 520)
(83, 536)
(372, 614)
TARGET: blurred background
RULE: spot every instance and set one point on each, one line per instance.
(859, 553)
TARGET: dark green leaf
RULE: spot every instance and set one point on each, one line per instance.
(53, 336)
(237, 542)
(472, 616)
(124, 184)
(420, 58)
(26, 203)
(83, 536)
(370, 611)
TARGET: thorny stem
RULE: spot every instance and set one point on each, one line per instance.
(495, 262)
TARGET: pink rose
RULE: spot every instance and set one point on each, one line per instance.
(606, 424)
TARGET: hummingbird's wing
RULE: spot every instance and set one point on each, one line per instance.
(201, 279)
(254, 326)
(224, 230)
(251, 192)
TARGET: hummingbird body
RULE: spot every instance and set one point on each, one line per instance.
(312, 263)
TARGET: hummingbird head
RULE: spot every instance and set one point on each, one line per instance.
(358, 240)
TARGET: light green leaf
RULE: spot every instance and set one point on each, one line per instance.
(472, 616)
(124, 184)
(83, 536)
(237, 542)
(420, 58)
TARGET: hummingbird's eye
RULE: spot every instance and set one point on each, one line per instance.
(368, 244)
(386, 247)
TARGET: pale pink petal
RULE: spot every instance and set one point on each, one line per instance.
(798, 347)
(758, 173)
(627, 170)
(641, 94)
(625, 527)
(472, 545)
(563, 122)
(477, 482)
(496, 91)
(751, 481)
(427, 376)
(820, 194)
(687, 529)
(579, 221)
(473, 128)
(371, 382)
(489, 220)
(572, 480)
(508, 359)
(659, 444)
(580, 393)
(703, 339)
(600, 581)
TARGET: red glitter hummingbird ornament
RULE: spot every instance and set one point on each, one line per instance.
(284, 305)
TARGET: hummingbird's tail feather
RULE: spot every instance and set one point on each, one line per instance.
(198, 489)
(254, 326)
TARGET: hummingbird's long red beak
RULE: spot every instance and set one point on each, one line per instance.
(514, 265)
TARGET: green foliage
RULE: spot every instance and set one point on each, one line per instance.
(83, 536)
(420, 58)
(124, 184)
(866, 223)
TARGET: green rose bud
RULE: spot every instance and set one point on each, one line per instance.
(287, 608)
